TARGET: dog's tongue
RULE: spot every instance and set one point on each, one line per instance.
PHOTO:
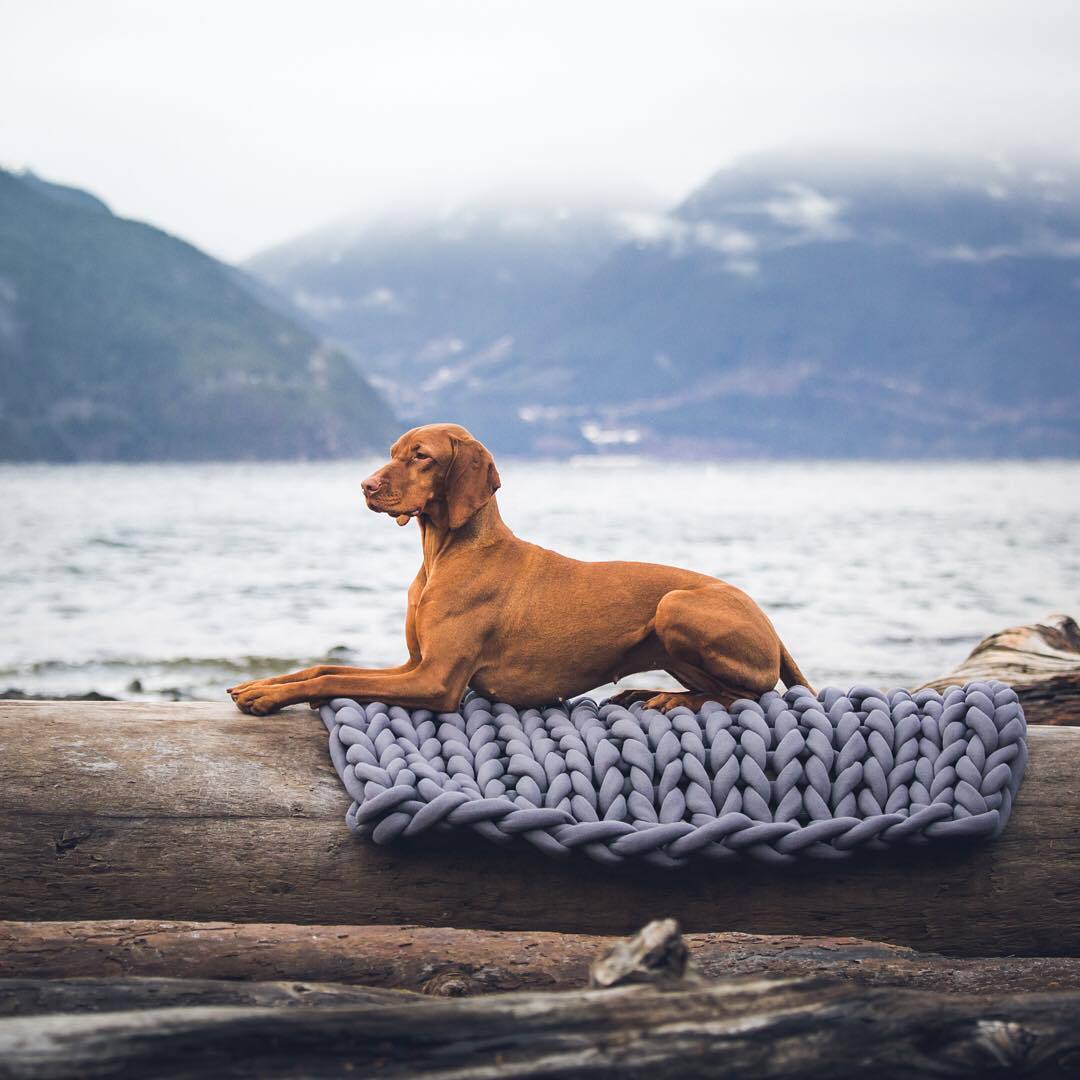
(403, 519)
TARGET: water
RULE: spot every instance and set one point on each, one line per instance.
(182, 579)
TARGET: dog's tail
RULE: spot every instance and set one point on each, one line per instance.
(790, 673)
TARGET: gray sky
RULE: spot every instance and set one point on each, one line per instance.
(238, 125)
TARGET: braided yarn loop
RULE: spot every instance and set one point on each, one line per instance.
(788, 777)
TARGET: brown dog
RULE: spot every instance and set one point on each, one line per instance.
(522, 624)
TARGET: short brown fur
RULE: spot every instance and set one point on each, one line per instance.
(528, 626)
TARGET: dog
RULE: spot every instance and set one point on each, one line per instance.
(525, 625)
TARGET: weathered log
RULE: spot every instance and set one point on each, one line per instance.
(1041, 662)
(35, 996)
(193, 811)
(737, 1028)
(447, 962)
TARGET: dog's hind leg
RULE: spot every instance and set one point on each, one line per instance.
(721, 647)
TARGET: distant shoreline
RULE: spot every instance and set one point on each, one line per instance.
(14, 694)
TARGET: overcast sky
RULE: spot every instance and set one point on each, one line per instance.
(238, 125)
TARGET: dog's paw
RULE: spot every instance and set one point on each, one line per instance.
(662, 700)
(258, 700)
(666, 701)
(626, 698)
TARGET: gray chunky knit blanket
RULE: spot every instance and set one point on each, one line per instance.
(790, 776)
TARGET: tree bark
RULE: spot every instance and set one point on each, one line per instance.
(754, 1028)
(1041, 662)
(447, 962)
(36, 996)
(195, 812)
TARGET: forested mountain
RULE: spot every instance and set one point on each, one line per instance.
(427, 298)
(121, 342)
(810, 304)
(814, 303)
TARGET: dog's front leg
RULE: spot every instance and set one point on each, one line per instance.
(438, 686)
(315, 672)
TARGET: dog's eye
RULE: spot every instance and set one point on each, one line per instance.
(421, 456)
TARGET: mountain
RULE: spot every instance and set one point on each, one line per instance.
(815, 303)
(121, 342)
(434, 297)
(823, 305)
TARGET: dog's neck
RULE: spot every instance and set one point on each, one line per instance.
(436, 537)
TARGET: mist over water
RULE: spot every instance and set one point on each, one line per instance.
(188, 578)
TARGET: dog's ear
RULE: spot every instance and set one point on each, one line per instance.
(470, 480)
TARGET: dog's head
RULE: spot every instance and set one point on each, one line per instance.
(435, 465)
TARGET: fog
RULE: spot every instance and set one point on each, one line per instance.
(238, 126)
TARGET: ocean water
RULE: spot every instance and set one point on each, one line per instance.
(159, 581)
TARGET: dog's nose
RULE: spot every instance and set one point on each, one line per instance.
(371, 485)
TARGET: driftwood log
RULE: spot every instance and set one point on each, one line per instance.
(447, 962)
(34, 996)
(749, 1027)
(654, 1011)
(1041, 662)
(193, 811)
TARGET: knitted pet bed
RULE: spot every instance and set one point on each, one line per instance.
(786, 777)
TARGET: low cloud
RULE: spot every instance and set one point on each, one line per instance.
(600, 435)
(808, 212)
(681, 237)
(382, 298)
(805, 215)
(320, 305)
(1045, 245)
